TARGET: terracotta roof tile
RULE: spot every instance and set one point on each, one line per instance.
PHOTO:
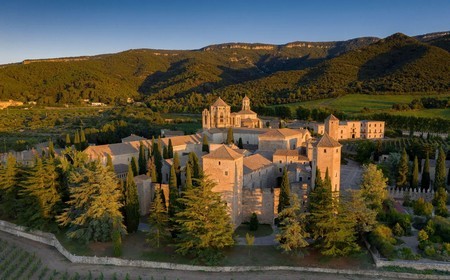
(224, 152)
(255, 162)
(327, 141)
(220, 102)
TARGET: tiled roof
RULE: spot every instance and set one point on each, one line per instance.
(280, 133)
(290, 153)
(133, 137)
(120, 168)
(255, 162)
(95, 152)
(224, 152)
(246, 112)
(327, 141)
(220, 102)
(331, 118)
(183, 140)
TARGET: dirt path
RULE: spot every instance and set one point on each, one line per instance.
(55, 261)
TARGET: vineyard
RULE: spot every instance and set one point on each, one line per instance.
(17, 263)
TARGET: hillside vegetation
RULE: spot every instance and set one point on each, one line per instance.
(186, 81)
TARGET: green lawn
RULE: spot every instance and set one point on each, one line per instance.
(354, 103)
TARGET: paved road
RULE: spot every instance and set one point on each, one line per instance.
(351, 174)
(55, 261)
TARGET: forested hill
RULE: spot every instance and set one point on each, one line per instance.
(188, 80)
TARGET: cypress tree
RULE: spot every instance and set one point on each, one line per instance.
(425, 183)
(205, 144)
(439, 179)
(109, 162)
(285, 192)
(230, 137)
(142, 161)
(176, 165)
(196, 172)
(448, 177)
(440, 201)
(173, 196)
(170, 149)
(83, 142)
(158, 220)
(402, 173)
(134, 166)
(240, 144)
(188, 185)
(131, 202)
(153, 174)
(165, 153)
(415, 174)
(68, 142)
(51, 149)
(157, 159)
(76, 141)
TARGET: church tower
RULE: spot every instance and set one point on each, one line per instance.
(246, 104)
(327, 155)
(332, 126)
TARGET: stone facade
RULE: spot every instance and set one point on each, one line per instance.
(219, 116)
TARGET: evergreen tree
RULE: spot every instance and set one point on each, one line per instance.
(448, 177)
(402, 173)
(157, 160)
(83, 142)
(439, 178)
(40, 195)
(425, 183)
(188, 184)
(173, 196)
(142, 161)
(116, 237)
(109, 162)
(205, 144)
(158, 221)
(205, 226)
(355, 208)
(176, 166)
(240, 144)
(68, 142)
(193, 163)
(51, 149)
(292, 236)
(285, 192)
(165, 153)
(134, 166)
(153, 175)
(415, 174)
(131, 203)
(9, 187)
(94, 204)
(230, 137)
(170, 149)
(76, 141)
(440, 201)
(373, 186)
(320, 201)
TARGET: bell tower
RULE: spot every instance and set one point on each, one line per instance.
(246, 104)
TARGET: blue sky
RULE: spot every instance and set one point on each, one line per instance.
(56, 28)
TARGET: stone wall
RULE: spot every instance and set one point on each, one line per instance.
(259, 201)
(413, 194)
(50, 239)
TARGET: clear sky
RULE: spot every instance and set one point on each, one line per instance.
(57, 28)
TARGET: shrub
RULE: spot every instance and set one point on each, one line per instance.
(398, 230)
(253, 225)
(430, 251)
(422, 208)
(406, 253)
(381, 237)
(423, 236)
(392, 217)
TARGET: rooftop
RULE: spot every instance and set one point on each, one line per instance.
(255, 162)
(133, 137)
(225, 153)
(281, 133)
(183, 140)
(220, 102)
(327, 141)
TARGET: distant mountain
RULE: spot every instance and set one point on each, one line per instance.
(188, 80)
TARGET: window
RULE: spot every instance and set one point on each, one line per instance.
(300, 178)
(280, 161)
(281, 170)
(325, 151)
(337, 150)
(219, 162)
(226, 173)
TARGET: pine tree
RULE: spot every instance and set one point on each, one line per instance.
(205, 226)
(425, 183)
(402, 173)
(439, 178)
(373, 186)
(240, 144)
(142, 161)
(173, 196)
(76, 141)
(285, 192)
(40, 195)
(165, 153)
(356, 209)
(230, 137)
(170, 149)
(68, 142)
(9, 187)
(131, 203)
(320, 205)
(415, 174)
(134, 166)
(292, 236)
(205, 144)
(94, 204)
(158, 221)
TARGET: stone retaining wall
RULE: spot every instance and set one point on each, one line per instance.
(50, 239)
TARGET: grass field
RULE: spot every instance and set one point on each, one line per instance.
(354, 103)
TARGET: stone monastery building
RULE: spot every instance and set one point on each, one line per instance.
(248, 178)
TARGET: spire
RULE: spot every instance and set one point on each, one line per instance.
(245, 103)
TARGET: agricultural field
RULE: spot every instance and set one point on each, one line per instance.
(355, 103)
